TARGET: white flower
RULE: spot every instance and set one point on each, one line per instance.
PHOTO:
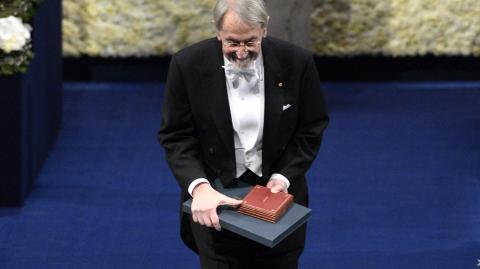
(13, 34)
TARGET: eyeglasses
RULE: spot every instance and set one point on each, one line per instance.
(233, 45)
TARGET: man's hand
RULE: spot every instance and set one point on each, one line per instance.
(205, 203)
(277, 185)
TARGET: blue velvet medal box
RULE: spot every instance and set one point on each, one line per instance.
(263, 232)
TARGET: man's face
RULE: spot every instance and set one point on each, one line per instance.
(240, 41)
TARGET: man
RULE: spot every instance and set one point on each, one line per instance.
(241, 107)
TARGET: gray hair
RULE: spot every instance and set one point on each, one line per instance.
(249, 11)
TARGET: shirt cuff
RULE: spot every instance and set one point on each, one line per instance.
(195, 183)
(282, 178)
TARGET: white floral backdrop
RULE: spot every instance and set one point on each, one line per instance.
(339, 27)
(396, 27)
(133, 27)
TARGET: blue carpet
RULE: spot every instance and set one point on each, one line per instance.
(396, 184)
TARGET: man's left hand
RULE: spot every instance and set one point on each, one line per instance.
(277, 185)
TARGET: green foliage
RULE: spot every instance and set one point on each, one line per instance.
(15, 61)
(24, 9)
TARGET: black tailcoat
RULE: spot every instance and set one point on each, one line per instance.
(197, 131)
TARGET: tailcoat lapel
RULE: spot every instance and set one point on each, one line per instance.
(216, 89)
(274, 98)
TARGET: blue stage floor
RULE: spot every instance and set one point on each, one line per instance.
(396, 183)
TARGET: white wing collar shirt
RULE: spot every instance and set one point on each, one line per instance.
(246, 98)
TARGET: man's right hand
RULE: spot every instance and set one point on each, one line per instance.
(205, 203)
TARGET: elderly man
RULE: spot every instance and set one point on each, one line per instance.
(241, 107)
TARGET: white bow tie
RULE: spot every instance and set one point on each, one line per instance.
(236, 75)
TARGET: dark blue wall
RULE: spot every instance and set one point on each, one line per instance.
(32, 111)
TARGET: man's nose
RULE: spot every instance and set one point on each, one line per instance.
(242, 53)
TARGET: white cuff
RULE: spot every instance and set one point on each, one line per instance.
(281, 177)
(195, 183)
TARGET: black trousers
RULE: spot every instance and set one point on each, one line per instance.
(226, 250)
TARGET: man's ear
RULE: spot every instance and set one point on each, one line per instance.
(265, 28)
(218, 32)
(265, 32)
